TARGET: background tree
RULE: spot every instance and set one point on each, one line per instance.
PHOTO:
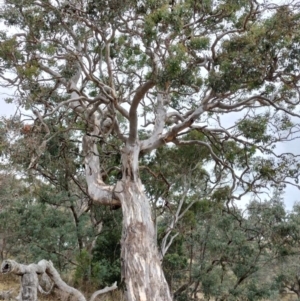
(287, 267)
(229, 254)
(121, 79)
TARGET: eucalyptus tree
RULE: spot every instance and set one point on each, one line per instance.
(125, 78)
(226, 254)
(287, 268)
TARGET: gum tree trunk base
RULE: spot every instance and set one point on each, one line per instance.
(141, 267)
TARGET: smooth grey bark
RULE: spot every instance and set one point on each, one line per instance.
(104, 290)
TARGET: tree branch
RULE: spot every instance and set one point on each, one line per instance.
(133, 119)
(187, 122)
(98, 191)
(160, 119)
(29, 279)
(103, 291)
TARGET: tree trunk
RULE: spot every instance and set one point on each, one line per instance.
(141, 267)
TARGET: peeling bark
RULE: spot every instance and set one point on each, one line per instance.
(141, 267)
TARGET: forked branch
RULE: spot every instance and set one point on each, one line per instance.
(30, 283)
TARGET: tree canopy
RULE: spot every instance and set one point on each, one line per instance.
(124, 104)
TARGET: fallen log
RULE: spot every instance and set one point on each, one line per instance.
(30, 281)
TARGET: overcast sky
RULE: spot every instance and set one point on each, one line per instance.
(6, 109)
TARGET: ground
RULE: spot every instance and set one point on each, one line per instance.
(12, 282)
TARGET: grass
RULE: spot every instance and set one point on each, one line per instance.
(12, 282)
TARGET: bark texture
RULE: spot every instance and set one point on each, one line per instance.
(141, 266)
(6, 295)
(30, 281)
(29, 278)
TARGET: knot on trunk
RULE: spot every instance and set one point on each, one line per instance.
(6, 267)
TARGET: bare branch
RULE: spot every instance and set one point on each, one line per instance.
(160, 119)
(165, 244)
(139, 94)
(103, 291)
